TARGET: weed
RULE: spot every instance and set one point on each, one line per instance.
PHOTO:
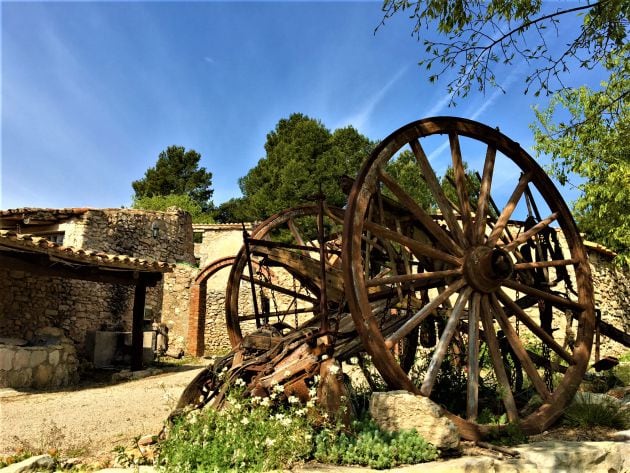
(366, 444)
(588, 410)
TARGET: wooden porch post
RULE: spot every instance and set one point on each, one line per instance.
(137, 335)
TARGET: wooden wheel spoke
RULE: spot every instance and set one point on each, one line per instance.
(479, 227)
(544, 264)
(423, 313)
(519, 350)
(497, 360)
(295, 232)
(280, 289)
(304, 310)
(461, 186)
(507, 211)
(419, 213)
(445, 339)
(534, 327)
(438, 193)
(403, 278)
(523, 237)
(554, 299)
(419, 249)
(472, 398)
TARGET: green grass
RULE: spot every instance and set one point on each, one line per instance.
(589, 411)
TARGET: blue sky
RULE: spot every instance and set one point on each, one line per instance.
(93, 91)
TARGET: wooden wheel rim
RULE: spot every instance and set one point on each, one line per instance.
(232, 310)
(365, 187)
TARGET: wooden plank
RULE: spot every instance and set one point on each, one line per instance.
(555, 300)
(497, 360)
(445, 339)
(419, 249)
(534, 327)
(523, 237)
(472, 397)
(479, 227)
(421, 215)
(461, 186)
(137, 334)
(423, 313)
(403, 278)
(507, 211)
(519, 350)
(435, 188)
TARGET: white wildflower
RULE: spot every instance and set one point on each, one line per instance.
(269, 442)
(293, 400)
(300, 412)
(239, 382)
(334, 369)
(266, 402)
(310, 403)
(324, 357)
(354, 360)
(286, 421)
(244, 421)
(278, 388)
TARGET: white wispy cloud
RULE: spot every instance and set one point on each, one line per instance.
(475, 111)
(359, 119)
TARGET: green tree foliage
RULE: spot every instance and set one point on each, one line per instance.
(405, 171)
(233, 210)
(301, 155)
(177, 172)
(181, 201)
(477, 36)
(598, 150)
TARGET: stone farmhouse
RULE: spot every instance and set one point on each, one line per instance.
(70, 277)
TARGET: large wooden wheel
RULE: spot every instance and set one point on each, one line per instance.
(284, 289)
(490, 278)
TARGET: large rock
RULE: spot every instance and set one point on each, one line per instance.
(402, 410)
(38, 463)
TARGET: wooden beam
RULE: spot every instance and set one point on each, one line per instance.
(137, 334)
(41, 265)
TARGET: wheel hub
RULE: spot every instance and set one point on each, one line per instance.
(486, 268)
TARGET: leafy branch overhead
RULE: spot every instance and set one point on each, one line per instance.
(479, 36)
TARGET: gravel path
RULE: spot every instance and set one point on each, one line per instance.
(90, 421)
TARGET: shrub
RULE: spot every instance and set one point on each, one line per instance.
(366, 444)
(245, 436)
(588, 410)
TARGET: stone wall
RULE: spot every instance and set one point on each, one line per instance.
(612, 296)
(53, 363)
(218, 241)
(176, 304)
(29, 302)
(131, 232)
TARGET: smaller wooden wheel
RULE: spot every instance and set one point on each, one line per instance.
(284, 288)
(495, 280)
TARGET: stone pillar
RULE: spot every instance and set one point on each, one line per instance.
(197, 319)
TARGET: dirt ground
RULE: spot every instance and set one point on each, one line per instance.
(90, 420)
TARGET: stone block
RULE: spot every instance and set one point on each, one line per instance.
(38, 356)
(50, 331)
(402, 410)
(42, 375)
(22, 359)
(7, 356)
(53, 357)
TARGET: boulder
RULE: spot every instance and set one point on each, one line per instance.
(38, 463)
(402, 410)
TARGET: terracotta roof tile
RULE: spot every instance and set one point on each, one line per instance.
(26, 242)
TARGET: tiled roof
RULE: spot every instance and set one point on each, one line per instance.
(36, 215)
(35, 244)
